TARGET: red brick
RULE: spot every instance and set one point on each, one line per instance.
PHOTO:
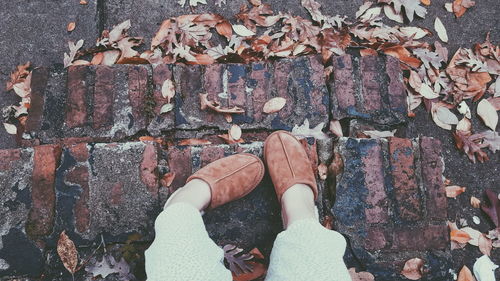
(39, 77)
(161, 73)
(80, 176)
(179, 161)
(282, 72)
(41, 216)
(432, 169)
(76, 107)
(404, 179)
(397, 97)
(117, 193)
(318, 80)
(80, 152)
(213, 85)
(374, 181)
(7, 156)
(375, 239)
(371, 86)
(431, 237)
(137, 90)
(104, 96)
(149, 168)
(344, 81)
(236, 85)
(261, 83)
(211, 153)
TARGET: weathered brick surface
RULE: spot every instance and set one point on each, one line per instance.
(108, 188)
(381, 197)
(369, 88)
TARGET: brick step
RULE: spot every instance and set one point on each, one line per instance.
(103, 103)
(115, 189)
(390, 198)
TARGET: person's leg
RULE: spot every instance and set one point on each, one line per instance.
(305, 250)
(182, 249)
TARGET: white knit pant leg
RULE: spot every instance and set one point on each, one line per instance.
(182, 250)
(308, 251)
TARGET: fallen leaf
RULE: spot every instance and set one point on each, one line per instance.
(472, 144)
(194, 142)
(166, 108)
(168, 90)
(205, 103)
(71, 26)
(66, 250)
(413, 269)
(460, 6)
(110, 57)
(167, 179)
(475, 202)
(360, 276)
(237, 260)
(303, 131)
(274, 105)
(230, 140)
(465, 274)
(255, 252)
(464, 125)
(473, 234)
(83, 2)
(485, 245)
(241, 30)
(235, 132)
(322, 171)
(453, 191)
(119, 31)
(492, 207)
(441, 30)
(108, 265)
(488, 113)
(391, 14)
(412, 8)
(19, 75)
(224, 28)
(379, 134)
(336, 128)
(146, 138)
(426, 2)
(11, 129)
(337, 166)
(442, 116)
(459, 236)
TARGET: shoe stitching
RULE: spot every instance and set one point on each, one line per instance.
(235, 171)
(286, 156)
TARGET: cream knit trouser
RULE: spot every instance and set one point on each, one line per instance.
(182, 251)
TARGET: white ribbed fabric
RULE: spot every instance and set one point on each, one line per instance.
(183, 251)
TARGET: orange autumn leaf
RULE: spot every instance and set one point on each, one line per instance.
(225, 29)
(194, 142)
(465, 275)
(230, 140)
(97, 59)
(257, 271)
(146, 138)
(71, 26)
(402, 54)
(426, 2)
(459, 236)
(167, 179)
(453, 191)
(256, 253)
(368, 52)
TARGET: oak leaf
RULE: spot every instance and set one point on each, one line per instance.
(237, 260)
(460, 6)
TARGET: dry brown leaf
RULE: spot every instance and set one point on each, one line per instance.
(274, 105)
(360, 276)
(258, 270)
(83, 2)
(97, 59)
(322, 171)
(168, 90)
(465, 275)
(488, 114)
(235, 132)
(241, 30)
(337, 165)
(146, 138)
(413, 269)
(464, 125)
(255, 252)
(71, 26)
(18, 75)
(472, 144)
(194, 142)
(66, 250)
(203, 59)
(459, 236)
(225, 29)
(126, 46)
(205, 103)
(426, 2)
(229, 140)
(475, 202)
(110, 57)
(256, 3)
(485, 245)
(473, 234)
(367, 52)
(460, 6)
(336, 128)
(441, 30)
(167, 179)
(402, 54)
(81, 62)
(453, 191)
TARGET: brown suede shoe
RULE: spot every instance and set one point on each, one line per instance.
(287, 163)
(231, 178)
